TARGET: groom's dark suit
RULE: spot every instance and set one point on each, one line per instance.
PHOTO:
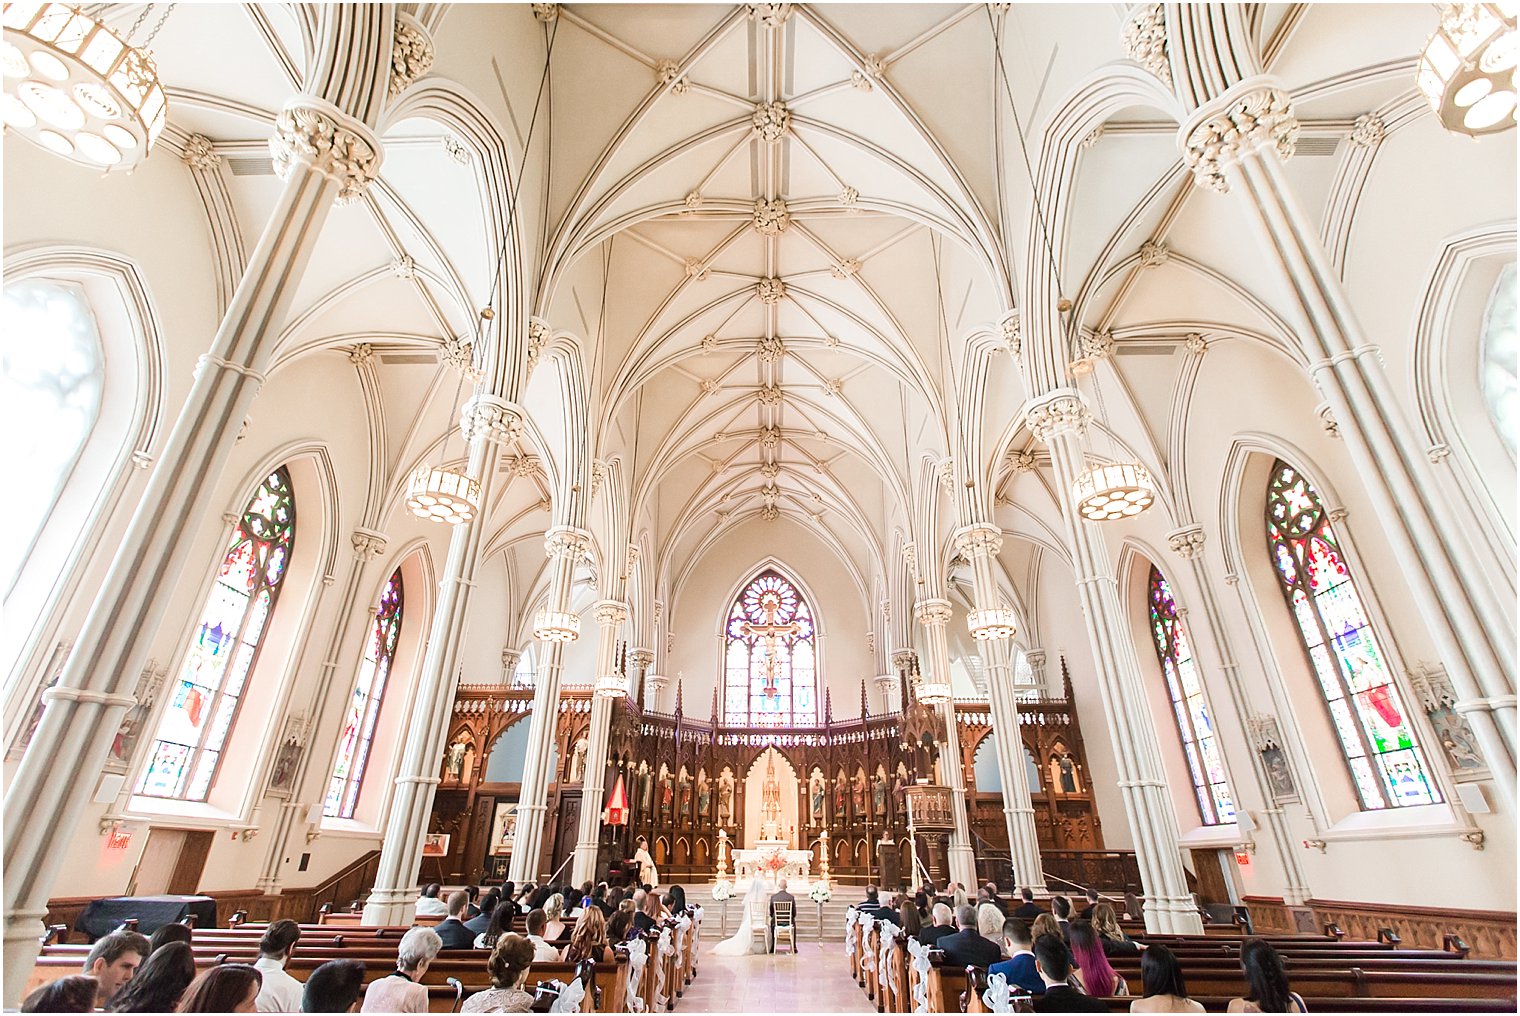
(780, 896)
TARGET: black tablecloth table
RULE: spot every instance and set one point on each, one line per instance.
(102, 917)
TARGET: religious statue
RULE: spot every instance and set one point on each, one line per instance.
(704, 794)
(859, 791)
(453, 758)
(1279, 776)
(725, 797)
(667, 794)
(839, 783)
(879, 793)
(1068, 775)
(285, 763)
(1455, 737)
(646, 788)
(578, 761)
(815, 797)
(770, 801)
(685, 781)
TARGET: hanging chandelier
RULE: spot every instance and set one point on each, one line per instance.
(1468, 68)
(612, 686)
(77, 88)
(557, 626)
(992, 623)
(1113, 490)
(933, 692)
(441, 494)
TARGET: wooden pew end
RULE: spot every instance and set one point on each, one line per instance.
(1453, 943)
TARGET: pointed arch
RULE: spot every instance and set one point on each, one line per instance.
(375, 666)
(770, 654)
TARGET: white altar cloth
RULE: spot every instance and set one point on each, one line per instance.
(752, 862)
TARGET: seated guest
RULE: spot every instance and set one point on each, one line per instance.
(944, 924)
(159, 982)
(1112, 937)
(554, 914)
(75, 993)
(589, 939)
(428, 904)
(908, 918)
(113, 960)
(1046, 924)
(621, 928)
(280, 991)
(335, 986)
(402, 990)
(921, 904)
(994, 898)
(989, 922)
(1053, 962)
(1161, 980)
(599, 899)
(1092, 901)
(542, 949)
(452, 929)
(872, 907)
(479, 923)
(508, 967)
(472, 910)
(1098, 976)
(502, 919)
(1029, 909)
(676, 900)
(169, 933)
(648, 917)
(231, 987)
(1060, 906)
(1134, 906)
(966, 947)
(1268, 980)
(1019, 966)
(779, 896)
(524, 896)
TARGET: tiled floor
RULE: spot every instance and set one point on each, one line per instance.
(814, 980)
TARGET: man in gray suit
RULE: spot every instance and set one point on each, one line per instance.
(779, 896)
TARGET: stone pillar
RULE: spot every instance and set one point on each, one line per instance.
(610, 617)
(980, 545)
(566, 547)
(1187, 543)
(1059, 419)
(934, 615)
(324, 154)
(1241, 134)
(487, 422)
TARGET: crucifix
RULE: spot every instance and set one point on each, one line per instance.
(770, 631)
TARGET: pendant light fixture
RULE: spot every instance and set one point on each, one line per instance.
(1106, 491)
(77, 88)
(1468, 68)
(992, 623)
(442, 493)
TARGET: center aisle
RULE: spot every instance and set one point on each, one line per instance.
(776, 983)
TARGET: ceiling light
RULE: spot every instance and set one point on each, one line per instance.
(556, 626)
(1107, 491)
(442, 495)
(612, 686)
(992, 623)
(80, 80)
(1467, 70)
(933, 693)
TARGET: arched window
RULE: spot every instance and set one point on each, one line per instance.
(1501, 358)
(203, 703)
(1368, 713)
(54, 376)
(364, 707)
(1200, 742)
(771, 658)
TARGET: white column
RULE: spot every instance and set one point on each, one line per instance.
(487, 422)
(1187, 543)
(934, 615)
(327, 153)
(980, 545)
(1059, 419)
(610, 616)
(566, 547)
(1241, 136)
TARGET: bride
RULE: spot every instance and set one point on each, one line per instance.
(746, 939)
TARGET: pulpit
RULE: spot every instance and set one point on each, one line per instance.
(930, 820)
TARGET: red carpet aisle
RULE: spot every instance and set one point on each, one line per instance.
(811, 981)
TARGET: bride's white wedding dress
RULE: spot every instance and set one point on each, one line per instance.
(746, 940)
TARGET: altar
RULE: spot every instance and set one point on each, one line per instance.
(770, 860)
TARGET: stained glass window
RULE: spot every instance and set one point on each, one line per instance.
(1195, 725)
(1366, 709)
(187, 748)
(364, 706)
(770, 661)
(1500, 360)
(53, 375)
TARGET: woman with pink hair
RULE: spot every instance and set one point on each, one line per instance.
(1098, 977)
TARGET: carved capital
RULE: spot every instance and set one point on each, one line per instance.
(538, 340)
(567, 542)
(1013, 338)
(979, 540)
(770, 217)
(903, 659)
(200, 155)
(1187, 542)
(368, 544)
(491, 417)
(1063, 411)
(545, 12)
(1144, 36)
(509, 660)
(1245, 118)
(641, 658)
(1036, 660)
(610, 613)
(316, 134)
(932, 613)
(771, 121)
(411, 53)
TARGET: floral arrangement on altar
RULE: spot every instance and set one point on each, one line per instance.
(773, 861)
(819, 893)
(723, 890)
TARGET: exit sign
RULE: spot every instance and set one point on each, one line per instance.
(119, 839)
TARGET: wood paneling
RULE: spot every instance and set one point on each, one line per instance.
(1490, 934)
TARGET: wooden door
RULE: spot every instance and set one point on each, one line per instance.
(1212, 887)
(155, 870)
(566, 830)
(186, 880)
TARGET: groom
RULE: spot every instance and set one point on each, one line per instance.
(779, 896)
